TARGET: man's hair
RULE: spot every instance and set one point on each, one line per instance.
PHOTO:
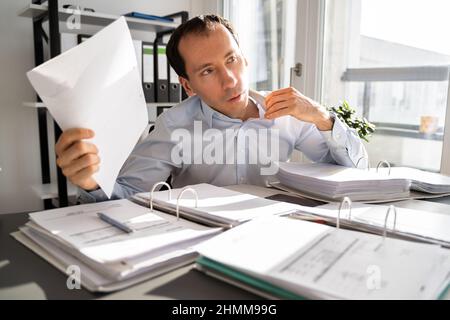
(199, 25)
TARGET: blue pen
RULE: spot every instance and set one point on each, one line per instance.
(115, 222)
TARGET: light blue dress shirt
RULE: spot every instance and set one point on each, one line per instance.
(152, 159)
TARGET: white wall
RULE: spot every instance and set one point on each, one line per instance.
(19, 140)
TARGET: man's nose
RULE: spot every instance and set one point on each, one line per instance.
(229, 79)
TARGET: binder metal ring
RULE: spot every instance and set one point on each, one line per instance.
(344, 201)
(362, 158)
(391, 207)
(181, 194)
(153, 190)
(388, 165)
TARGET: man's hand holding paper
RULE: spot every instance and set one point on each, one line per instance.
(96, 86)
(78, 159)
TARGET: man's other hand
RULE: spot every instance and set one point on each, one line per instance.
(289, 101)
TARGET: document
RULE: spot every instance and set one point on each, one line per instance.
(362, 266)
(96, 85)
(80, 228)
(318, 261)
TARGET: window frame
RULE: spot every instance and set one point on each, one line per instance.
(435, 73)
(445, 159)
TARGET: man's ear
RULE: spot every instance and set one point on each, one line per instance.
(186, 85)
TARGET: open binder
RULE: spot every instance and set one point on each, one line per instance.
(211, 205)
(405, 223)
(295, 259)
(226, 208)
(109, 258)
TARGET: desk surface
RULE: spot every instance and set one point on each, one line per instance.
(25, 275)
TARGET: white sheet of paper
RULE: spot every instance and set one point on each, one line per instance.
(96, 85)
(223, 203)
(81, 228)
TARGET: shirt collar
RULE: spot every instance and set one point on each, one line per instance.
(209, 112)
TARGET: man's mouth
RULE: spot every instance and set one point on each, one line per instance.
(236, 97)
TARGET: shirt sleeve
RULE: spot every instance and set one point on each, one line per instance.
(341, 145)
(149, 162)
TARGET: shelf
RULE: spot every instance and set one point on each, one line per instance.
(162, 104)
(98, 19)
(93, 21)
(149, 105)
(50, 190)
(34, 104)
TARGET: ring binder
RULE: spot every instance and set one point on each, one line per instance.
(349, 202)
(153, 190)
(181, 194)
(148, 74)
(362, 158)
(388, 165)
(391, 207)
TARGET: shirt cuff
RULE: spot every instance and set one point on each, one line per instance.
(84, 196)
(337, 137)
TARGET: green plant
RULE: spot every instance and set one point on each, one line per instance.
(362, 126)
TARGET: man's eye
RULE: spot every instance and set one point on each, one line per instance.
(206, 72)
(232, 59)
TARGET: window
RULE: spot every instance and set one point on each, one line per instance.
(267, 42)
(390, 60)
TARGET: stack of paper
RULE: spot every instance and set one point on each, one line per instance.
(423, 181)
(110, 258)
(217, 206)
(333, 182)
(298, 259)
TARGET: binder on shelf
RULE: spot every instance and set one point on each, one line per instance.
(138, 50)
(146, 16)
(82, 37)
(68, 41)
(162, 87)
(174, 86)
(148, 72)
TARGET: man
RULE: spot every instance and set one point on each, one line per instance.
(206, 55)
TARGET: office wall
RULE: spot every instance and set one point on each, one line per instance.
(19, 141)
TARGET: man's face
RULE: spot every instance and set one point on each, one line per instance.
(216, 69)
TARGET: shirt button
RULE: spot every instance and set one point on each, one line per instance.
(338, 136)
